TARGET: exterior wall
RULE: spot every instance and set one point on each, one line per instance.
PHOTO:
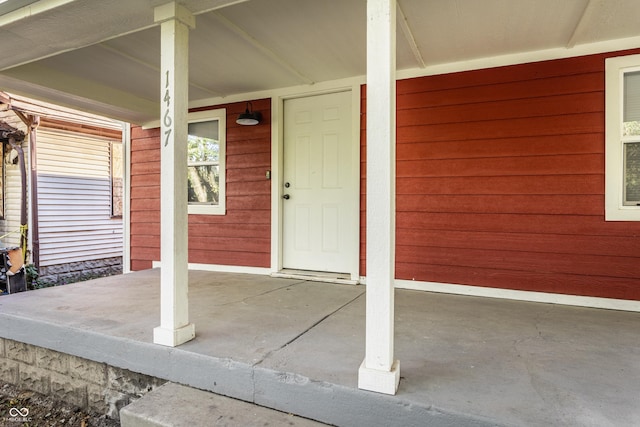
(74, 199)
(242, 236)
(500, 182)
(78, 237)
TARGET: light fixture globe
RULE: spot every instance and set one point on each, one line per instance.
(249, 117)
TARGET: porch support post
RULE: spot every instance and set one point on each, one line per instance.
(174, 329)
(379, 371)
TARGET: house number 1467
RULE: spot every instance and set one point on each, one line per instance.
(167, 118)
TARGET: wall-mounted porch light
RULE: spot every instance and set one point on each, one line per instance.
(249, 117)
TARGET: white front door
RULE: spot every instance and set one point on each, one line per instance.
(319, 213)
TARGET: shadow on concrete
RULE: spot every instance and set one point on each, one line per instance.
(296, 346)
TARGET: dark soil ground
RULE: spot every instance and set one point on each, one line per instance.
(21, 408)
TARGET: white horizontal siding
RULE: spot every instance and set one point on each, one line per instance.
(74, 199)
(96, 234)
(75, 226)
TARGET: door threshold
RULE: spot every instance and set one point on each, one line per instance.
(316, 276)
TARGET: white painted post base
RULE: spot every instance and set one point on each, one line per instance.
(174, 337)
(379, 381)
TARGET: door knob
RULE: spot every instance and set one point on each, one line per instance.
(286, 197)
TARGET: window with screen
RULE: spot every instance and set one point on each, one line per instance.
(622, 151)
(631, 138)
(206, 162)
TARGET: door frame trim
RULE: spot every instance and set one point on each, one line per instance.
(277, 169)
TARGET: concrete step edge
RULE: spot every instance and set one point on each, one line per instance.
(175, 405)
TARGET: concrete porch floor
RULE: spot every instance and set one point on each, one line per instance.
(296, 346)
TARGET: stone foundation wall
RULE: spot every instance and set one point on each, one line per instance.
(70, 379)
(82, 270)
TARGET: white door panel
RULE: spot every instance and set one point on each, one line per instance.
(319, 214)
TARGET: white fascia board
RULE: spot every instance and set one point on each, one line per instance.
(282, 93)
(36, 81)
(31, 10)
(453, 67)
(521, 58)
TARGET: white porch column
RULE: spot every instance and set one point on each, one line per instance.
(379, 371)
(174, 329)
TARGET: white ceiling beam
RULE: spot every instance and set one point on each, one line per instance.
(30, 10)
(108, 25)
(132, 58)
(408, 35)
(155, 68)
(262, 48)
(48, 80)
(584, 21)
(218, 6)
(51, 96)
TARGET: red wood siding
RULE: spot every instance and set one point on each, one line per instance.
(500, 182)
(241, 237)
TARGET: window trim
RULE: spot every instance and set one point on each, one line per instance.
(219, 114)
(615, 68)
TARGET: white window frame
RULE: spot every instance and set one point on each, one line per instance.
(615, 68)
(205, 116)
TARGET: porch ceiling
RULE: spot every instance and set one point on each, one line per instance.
(104, 57)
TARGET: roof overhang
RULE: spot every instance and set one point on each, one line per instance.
(104, 57)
